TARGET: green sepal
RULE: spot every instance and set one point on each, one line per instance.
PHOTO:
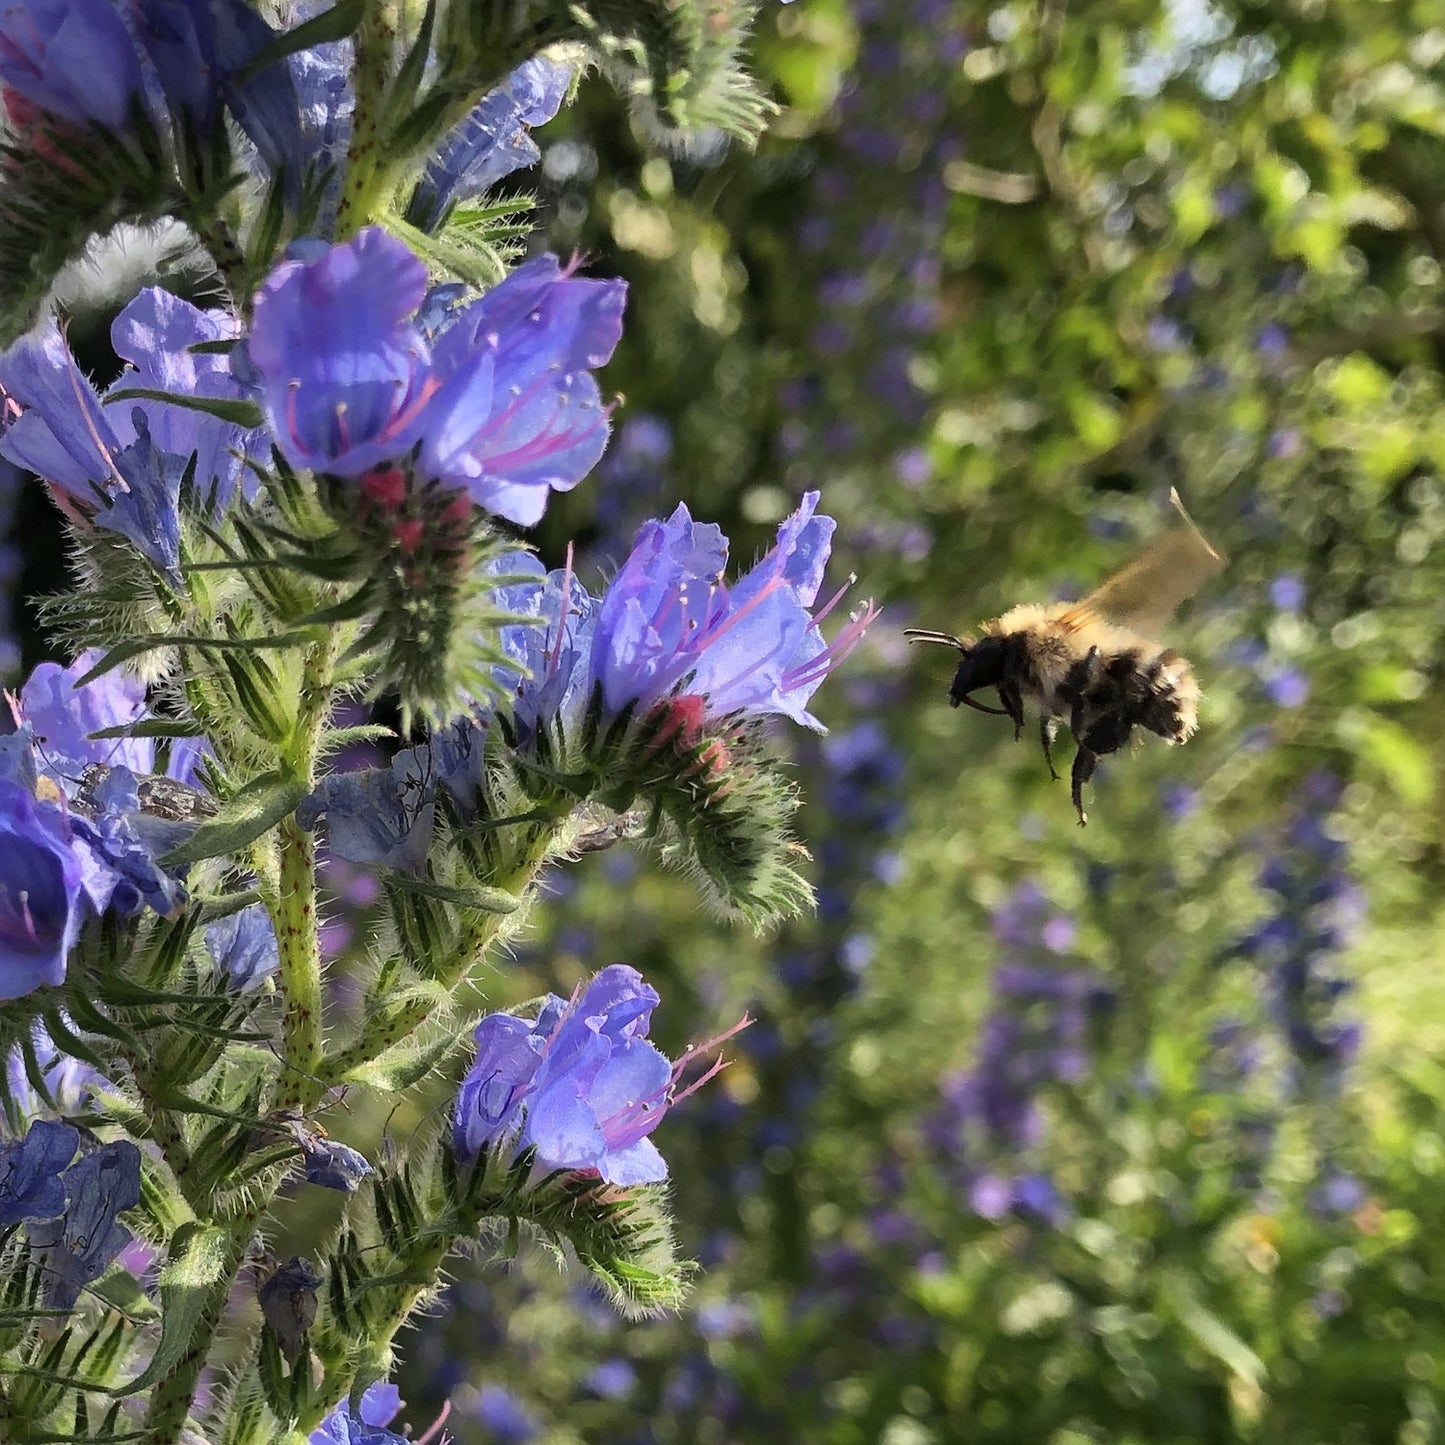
(255, 810)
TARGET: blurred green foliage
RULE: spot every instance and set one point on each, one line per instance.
(997, 279)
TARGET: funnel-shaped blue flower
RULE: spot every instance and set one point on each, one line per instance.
(669, 626)
(581, 1086)
(502, 400)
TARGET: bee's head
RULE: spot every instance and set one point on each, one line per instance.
(982, 665)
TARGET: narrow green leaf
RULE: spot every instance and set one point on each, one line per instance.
(257, 808)
(488, 900)
(243, 413)
(199, 1260)
(335, 23)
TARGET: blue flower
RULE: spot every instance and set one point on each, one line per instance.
(549, 678)
(72, 59)
(121, 465)
(379, 1404)
(330, 1164)
(377, 815)
(346, 374)
(31, 1169)
(669, 627)
(43, 900)
(492, 141)
(62, 715)
(128, 843)
(581, 1085)
(243, 946)
(502, 402)
(76, 1249)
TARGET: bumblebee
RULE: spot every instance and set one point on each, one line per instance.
(1094, 663)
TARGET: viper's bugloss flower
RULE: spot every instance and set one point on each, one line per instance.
(73, 60)
(43, 900)
(30, 1170)
(129, 843)
(76, 1248)
(62, 714)
(121, 465)
(492, 142)
(202, 53)
(243, 946)
(581, 1085)
(668, 626)
(330, 1164)
(377, 815)
(379, 1405)
(550, 654)
(502, 402)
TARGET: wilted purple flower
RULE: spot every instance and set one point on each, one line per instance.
(668, 626)
(42, 893)
(76, 1249)
(331, 1164)
(30, 1170)
(377, 815)
(71, 59)
(581, 1085)
(492, 141)
(243, 946)
(502, 401)
(288, 1301)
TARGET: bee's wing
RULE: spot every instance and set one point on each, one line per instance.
(1144, 595)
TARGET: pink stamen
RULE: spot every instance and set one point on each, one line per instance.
(436, 1425)
(820, 666)
(835, 599)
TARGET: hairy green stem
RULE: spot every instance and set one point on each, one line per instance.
(364, 192)
(479, 930)
(297, 930)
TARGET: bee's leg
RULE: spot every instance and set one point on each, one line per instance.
(1013, 704)
(1084, 761)
(1048, 731)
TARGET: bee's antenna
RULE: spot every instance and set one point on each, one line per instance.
(923, 634)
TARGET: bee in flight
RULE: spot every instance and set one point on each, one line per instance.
(1095, 662)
